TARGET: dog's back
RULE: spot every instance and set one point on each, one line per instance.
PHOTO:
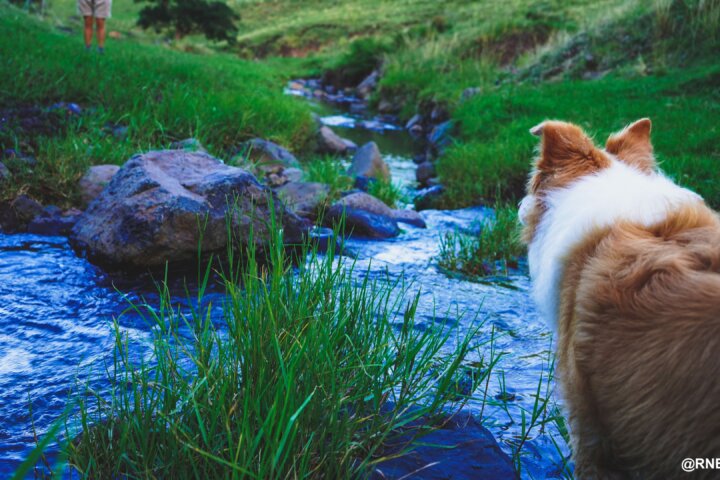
(627, 265)
(640, 315)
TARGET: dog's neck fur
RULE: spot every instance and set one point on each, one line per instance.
(617, 193)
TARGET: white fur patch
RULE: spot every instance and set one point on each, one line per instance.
(617, 193)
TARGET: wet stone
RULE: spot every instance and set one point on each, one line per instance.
(461, 450)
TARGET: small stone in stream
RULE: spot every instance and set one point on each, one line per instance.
(368, 203)
(433, 182)
(365, 88)
(351, 146)
(425, 171)
(440, 135)
(411, 217)
(16, 214)
(4, 172)
(368, 162)
(386, 106)
(357, 108)
(54, 222)
(189, 145)
(429, 198)
(94, 181)
(362, 223)
(420, 158)
(303, 198)
(331, 142)
(439, 114)
(263, 151)
(462, 449)
(415, 120)
(469, 93)
(26, 208)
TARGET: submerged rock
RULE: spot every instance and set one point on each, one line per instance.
(368, 162)
(461, 450)
(94, 181)
(154, 208)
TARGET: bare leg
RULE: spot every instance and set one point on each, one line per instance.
(88, 31)
(100, 27)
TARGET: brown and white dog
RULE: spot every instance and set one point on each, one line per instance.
(625, 266)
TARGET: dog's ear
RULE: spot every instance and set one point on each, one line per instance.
(565, 145)
(632, 145)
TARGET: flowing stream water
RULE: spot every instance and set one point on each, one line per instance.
(56, 313)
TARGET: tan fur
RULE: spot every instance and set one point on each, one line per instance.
(566, 154)
(639, 337)
(632, 145)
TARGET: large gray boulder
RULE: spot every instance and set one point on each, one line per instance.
(154, 208)
(94, 181)
(368, 162)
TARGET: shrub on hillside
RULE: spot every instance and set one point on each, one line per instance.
(215, 20)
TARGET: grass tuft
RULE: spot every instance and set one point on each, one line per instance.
(492, 251)
(306, 374)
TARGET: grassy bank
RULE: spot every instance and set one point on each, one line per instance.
(599, 64)
(306, 374)
(495, 150)
(154, 94)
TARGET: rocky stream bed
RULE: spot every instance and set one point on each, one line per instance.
(56, 307)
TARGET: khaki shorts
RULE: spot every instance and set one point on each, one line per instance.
(94, 8)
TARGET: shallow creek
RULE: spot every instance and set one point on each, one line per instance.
(56, 312)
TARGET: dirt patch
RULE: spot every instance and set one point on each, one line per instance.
(507, 47)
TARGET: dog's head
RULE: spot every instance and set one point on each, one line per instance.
(568, 154)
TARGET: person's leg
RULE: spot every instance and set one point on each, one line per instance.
(100, 28)
(88, 31)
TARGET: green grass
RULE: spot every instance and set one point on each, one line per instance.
(491, 251)
(307, 374)
(386, 191)
(494, 154)
(159, 94)
(330, 171)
